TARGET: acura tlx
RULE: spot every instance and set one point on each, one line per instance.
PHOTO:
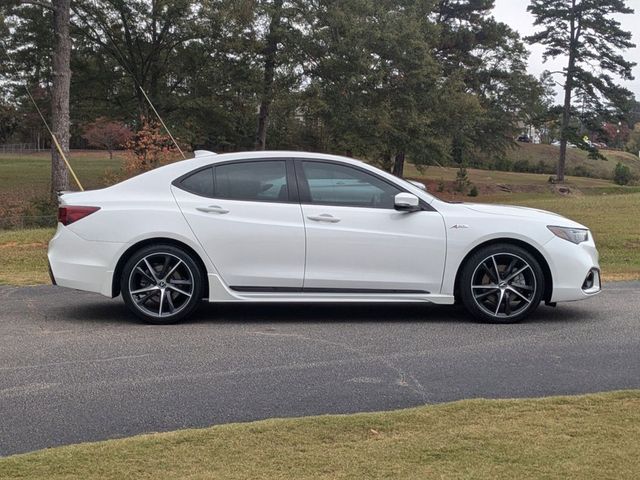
(307, 227)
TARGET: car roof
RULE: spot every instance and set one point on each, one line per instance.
(267, 154)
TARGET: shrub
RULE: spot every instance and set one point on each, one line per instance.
(543, 167)
(147, 149)
(502, 164)
(474, 191)
(522, 165)
(40, 212)
(462, 180)
(622, 174)
(581, 171)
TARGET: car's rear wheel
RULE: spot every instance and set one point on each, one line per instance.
(161, 284)
(501, 283)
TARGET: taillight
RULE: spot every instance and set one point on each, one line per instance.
(69, 214)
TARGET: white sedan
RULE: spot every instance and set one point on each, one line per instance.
(306, 227)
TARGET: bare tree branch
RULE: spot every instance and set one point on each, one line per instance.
(36, 3)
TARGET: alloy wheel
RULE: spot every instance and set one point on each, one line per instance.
(161, 285)
(503, 285)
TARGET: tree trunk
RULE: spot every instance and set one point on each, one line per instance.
(61, 83)
(398, 165)
(568, 88)
(387, 163)
(270, 51)
(263, 123)
(566, 117)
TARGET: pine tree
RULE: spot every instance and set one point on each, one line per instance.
(378, 88)
(586, 32)
(489, 59)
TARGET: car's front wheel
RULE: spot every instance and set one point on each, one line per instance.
(161, 284)
(501, 283)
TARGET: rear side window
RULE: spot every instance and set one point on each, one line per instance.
(199, 183)
(263, 181)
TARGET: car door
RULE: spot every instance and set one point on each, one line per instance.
(247, 217)
(357, 241)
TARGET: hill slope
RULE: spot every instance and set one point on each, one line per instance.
(575, 157)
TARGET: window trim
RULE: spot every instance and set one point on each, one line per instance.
(305, 194)
(292, 184)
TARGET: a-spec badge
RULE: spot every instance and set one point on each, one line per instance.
(460, 225)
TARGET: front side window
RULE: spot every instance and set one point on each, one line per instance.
(333, 184)
(264, 181)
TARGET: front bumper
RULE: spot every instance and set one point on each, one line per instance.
(575, 269)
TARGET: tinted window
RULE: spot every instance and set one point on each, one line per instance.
(264, 181)
(200, 183)
(334, 184)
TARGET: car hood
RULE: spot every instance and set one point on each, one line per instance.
(524, 212)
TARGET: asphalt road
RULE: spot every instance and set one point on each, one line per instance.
(77, 367)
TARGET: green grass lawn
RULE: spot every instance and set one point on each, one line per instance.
(592, 436)
(32, 172)
(23, 256)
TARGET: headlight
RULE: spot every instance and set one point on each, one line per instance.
(574, 235)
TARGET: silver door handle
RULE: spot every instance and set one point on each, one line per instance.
(325, 217)
(212, 209)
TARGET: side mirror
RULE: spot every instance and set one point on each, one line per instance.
(407, 202)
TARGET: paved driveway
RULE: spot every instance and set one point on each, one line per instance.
(77, 367)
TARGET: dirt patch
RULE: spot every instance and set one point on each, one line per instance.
(635, 243)
(446, 190)
(22, 245)
(565, 190)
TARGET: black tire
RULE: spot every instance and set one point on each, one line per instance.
(509, 298)
(169, 293)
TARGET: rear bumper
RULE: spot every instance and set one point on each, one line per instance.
(82, 264)
(575, 269)
(53, 279)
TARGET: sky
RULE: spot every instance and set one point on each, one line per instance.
(514, 13)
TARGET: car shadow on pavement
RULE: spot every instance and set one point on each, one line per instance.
(366, 312)
(114, 311)
(329, 312)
